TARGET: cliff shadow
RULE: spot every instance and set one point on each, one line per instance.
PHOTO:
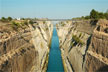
(103, 69)
(93, 22)
(87, 46)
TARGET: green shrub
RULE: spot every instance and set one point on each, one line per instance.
(44, 22)
(15, 25)
(22, 18)
(106, 15)
(67, 21)
(3, 19)
(62, 24)
(46, 28)
(9, 19)
(30, 22)
(72, 44)
(80, 35)
(95, 15)
(77, 40)
(25, 23)
(87, 17)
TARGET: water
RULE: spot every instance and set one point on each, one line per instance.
(55, 60)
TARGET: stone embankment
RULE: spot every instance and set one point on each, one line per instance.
(84, 45)
(27, 49)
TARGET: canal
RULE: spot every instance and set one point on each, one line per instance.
(55, 61)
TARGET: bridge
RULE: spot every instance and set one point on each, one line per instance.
(54, 20)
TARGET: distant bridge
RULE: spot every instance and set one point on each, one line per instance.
(55, 20)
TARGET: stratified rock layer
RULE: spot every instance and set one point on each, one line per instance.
(84, 48)
(97, 54)
(25, 50)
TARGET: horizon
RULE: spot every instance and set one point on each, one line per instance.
(57, 9)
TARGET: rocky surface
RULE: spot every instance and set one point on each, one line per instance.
(25, 50)
(83, 48)
(97, 54)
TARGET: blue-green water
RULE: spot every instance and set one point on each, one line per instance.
(55, 60)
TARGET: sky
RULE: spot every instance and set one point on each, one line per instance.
(54, 9)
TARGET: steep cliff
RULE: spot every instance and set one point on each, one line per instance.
(75, 38)
(26, 49)
(97, 54)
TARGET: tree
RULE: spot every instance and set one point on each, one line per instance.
(9, 18)
(94, 14)
(22, 18)
(101, 15)
(25, 22)
(82, 17)
(3, 19)
(87, 17)
(15, 25)
(106, 15)
(31, 22)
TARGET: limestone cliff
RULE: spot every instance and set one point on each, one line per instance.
(97, 54)
(25, 50)
(75, 42)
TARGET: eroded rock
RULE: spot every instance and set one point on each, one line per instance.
(84, 46)
(25, 50)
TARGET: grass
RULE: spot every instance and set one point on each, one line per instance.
(77, 40)
(62, 24)
(46, 28)
(44, 22)
(17, 25)
(80, 35)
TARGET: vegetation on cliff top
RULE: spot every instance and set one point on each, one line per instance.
(95, 15)
(3, 19)
(16, 24)
(20, 24)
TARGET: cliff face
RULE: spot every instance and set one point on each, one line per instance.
(76, 41)
(97, 54)
(25, 50)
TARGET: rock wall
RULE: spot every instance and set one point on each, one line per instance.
(25, 50)
(75, 41)
(97, 54)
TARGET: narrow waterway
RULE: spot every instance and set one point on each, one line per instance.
(55, 61)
